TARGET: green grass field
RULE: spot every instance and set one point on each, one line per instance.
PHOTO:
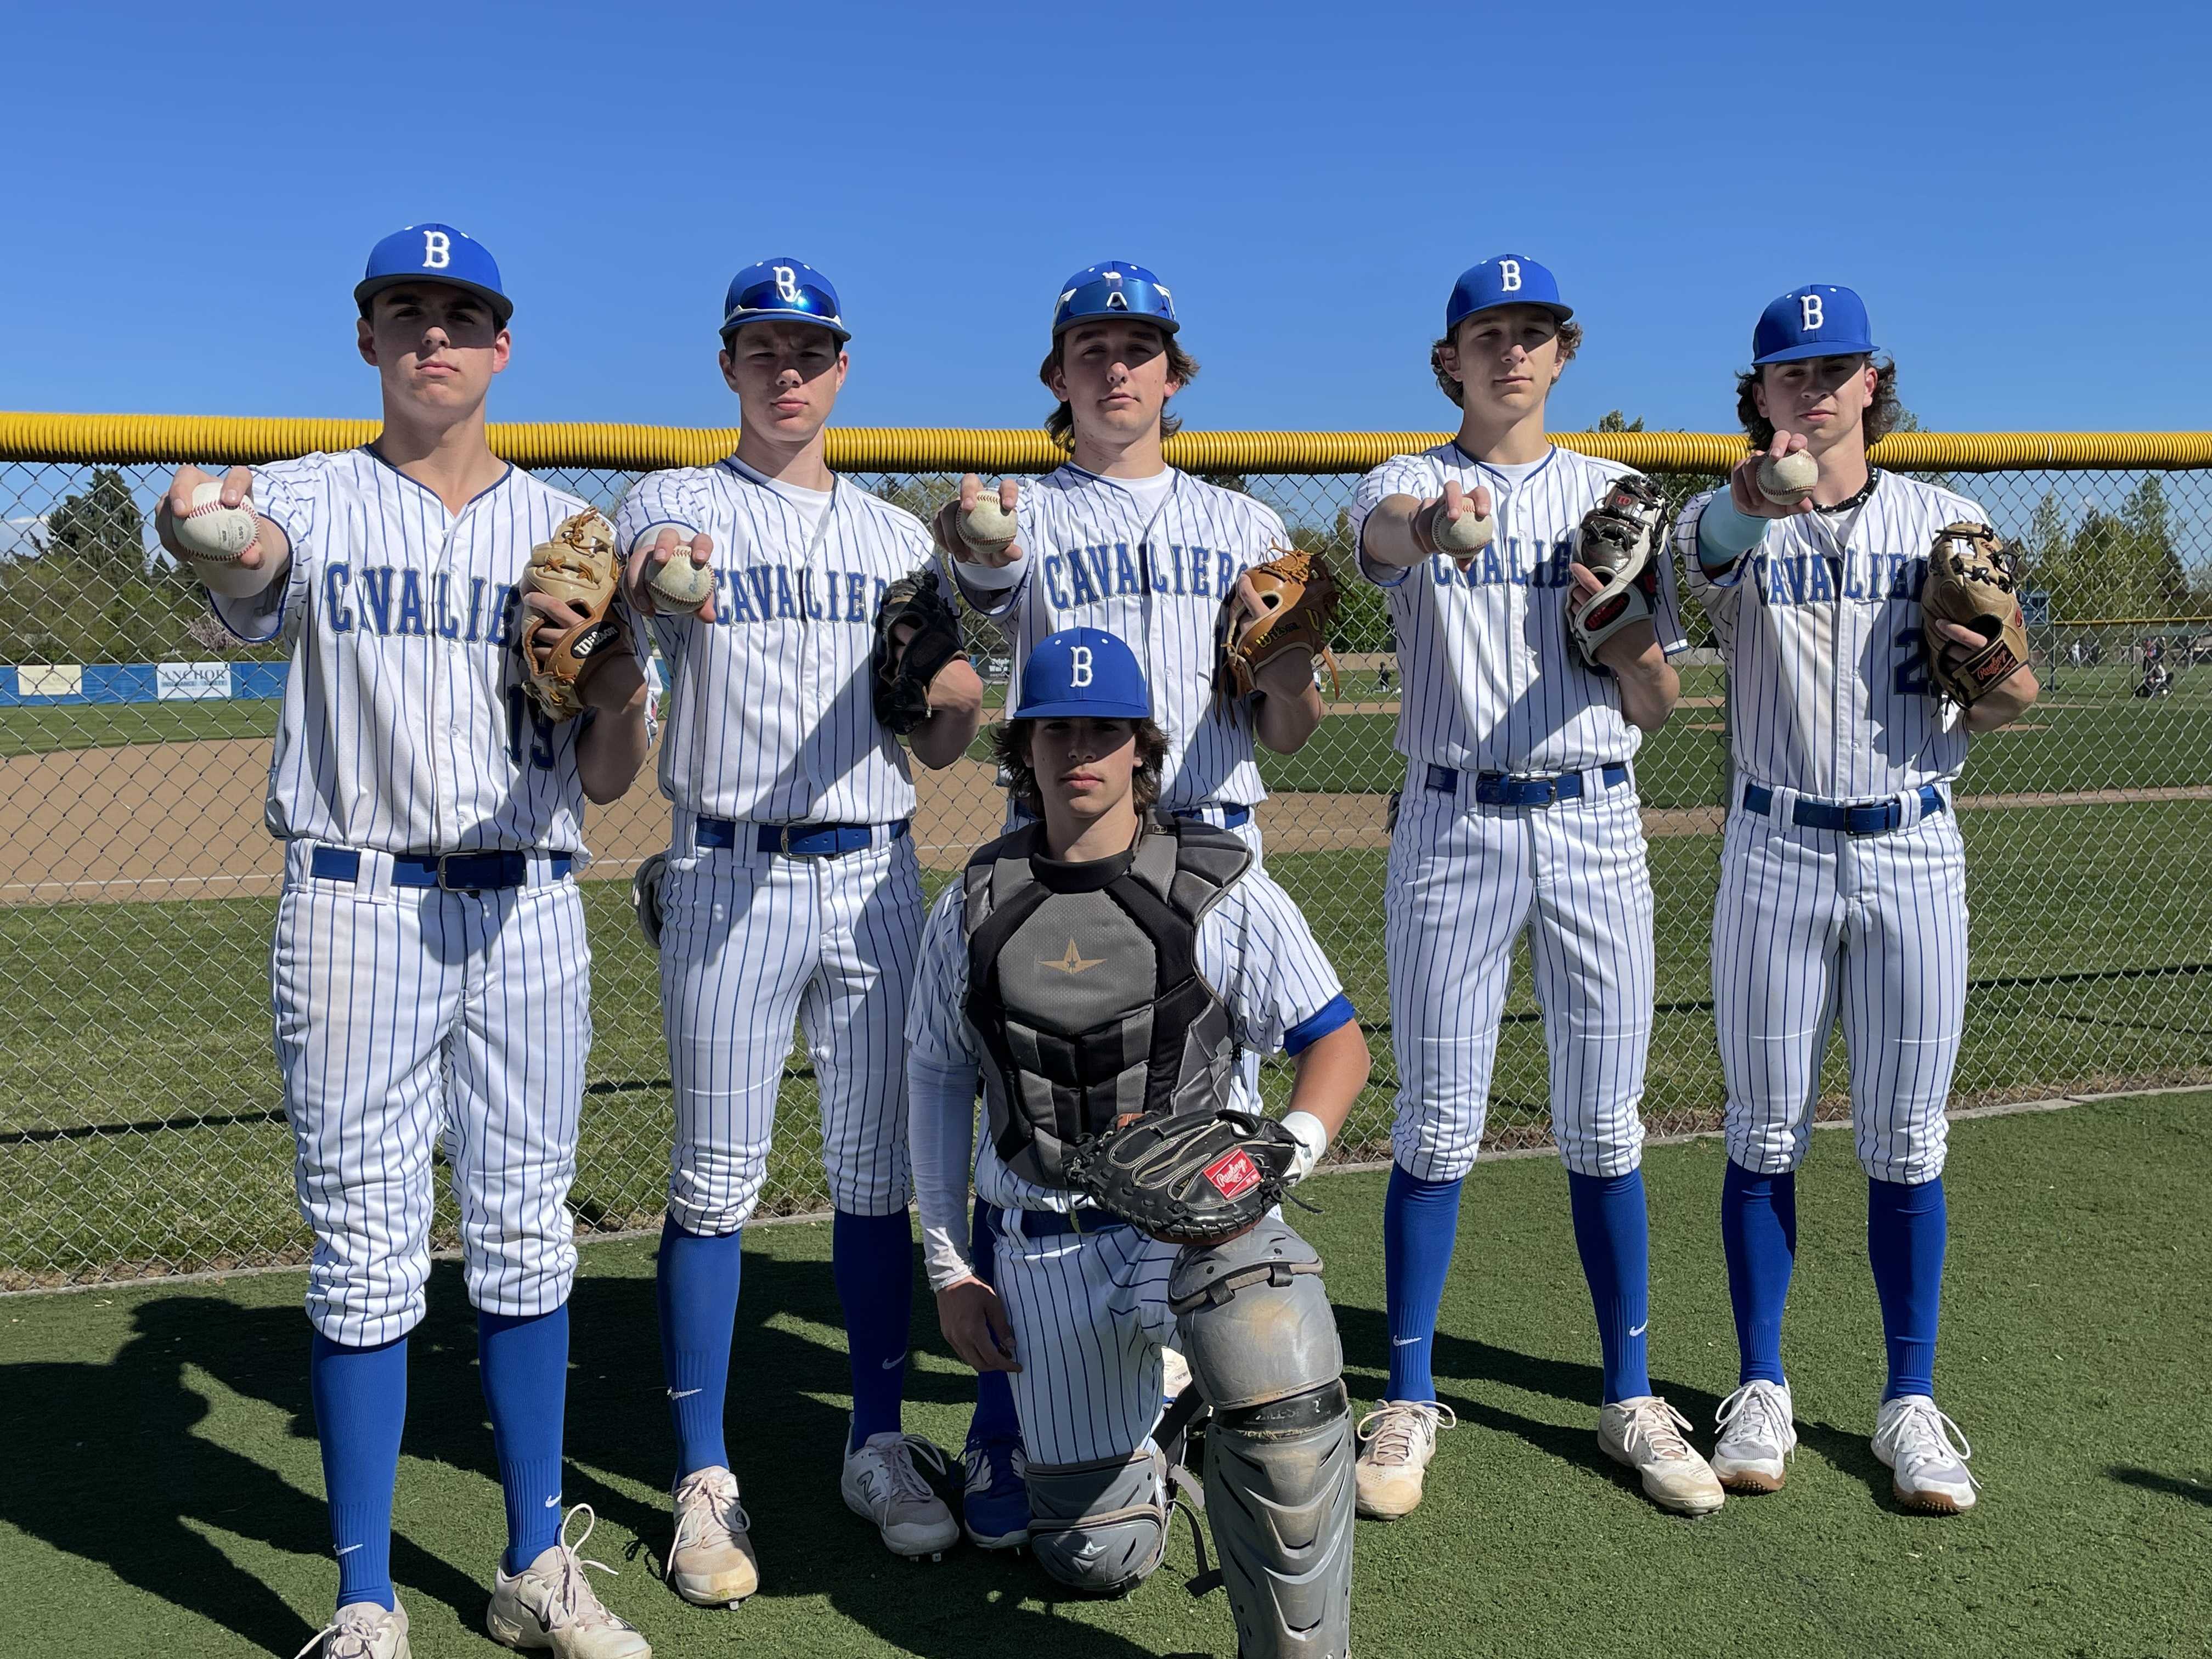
(166, 1498)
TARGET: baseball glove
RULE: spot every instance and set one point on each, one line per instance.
(645, 888)
(1288, 603)
(579, 565)
(899, 676)
(1970, 582)
(1187, 1177)
(1619, 544)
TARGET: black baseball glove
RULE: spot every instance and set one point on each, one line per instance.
(900, 675)
(1187, 1177)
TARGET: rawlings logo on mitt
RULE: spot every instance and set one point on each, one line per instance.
(1618, 543)
(1288, 603)
(1187, 1177)
(1970, 582)
(577, 565)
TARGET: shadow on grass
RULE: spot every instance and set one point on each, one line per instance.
(2193, 1488)
(117, 1474)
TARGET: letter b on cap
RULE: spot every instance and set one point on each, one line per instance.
(437, 250)
(1812, 315)
(1079, 660)
(1508, 275)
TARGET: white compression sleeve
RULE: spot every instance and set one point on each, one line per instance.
(941, 1135)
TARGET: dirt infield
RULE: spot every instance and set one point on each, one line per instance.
(183, 821)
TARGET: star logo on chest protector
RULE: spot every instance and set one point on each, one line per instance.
(1073, 962)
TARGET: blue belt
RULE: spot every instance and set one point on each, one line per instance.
(1051, 1224)
(1233, 817)
(1878, 818)
(1506, 789)
(805, 840)
(457, 873)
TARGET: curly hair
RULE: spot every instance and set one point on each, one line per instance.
(1009, 744)
(1059, 425)
(1571, 342)
(1880, 419)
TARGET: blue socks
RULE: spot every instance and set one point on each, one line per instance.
(1758, 1236)
(360, 1406)
(872, 1257)
(525, 1361)
(1905, 1245)
(697, 1290)
(1420, 1221)
(995, 1418)
(1612, 1234)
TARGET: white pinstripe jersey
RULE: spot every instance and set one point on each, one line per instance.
(769, 718)
(1828, 687)
(1490, 681)
(1094, 556)
(405, 725)
(1254, 947)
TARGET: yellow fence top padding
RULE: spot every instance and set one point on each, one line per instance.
(82, 438)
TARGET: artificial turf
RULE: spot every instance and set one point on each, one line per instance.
(163, 1497)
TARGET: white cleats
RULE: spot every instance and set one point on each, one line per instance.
(361, 1629)
(711, 1564)
(1928, 1455)
(549, 1605)
(881, 1483)
(1396, 1441)
(1645, 1433)
(1757, 1437)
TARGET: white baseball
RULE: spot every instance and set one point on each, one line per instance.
(213, 533)
(680, 585)
(986, 524)
(1789, 480)
(1465, 534)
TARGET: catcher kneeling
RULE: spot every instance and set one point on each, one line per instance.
(1106, 979)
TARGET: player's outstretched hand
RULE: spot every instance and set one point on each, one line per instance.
(975, 530)
(237, 485)
(1743, 481)
(1455, 524)
(637, 585)
(974, 1322)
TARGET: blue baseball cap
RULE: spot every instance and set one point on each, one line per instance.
(786, 291)
(1817, 320)
(434, 254)
(1116, 289)
(1509, 279)
(1083, 672)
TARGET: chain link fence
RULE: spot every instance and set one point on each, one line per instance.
(140, 1132)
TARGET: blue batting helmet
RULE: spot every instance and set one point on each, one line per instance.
(782, 290)
(1509, 279)
(1116, 289)
(1816, 320)
(434, 253)
(1083, 672)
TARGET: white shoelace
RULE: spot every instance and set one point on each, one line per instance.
(706, 1513)
(1922, 1435)
(1394, 1428)
(1661, 1427)
(1766, 1420)
(360, 1630)
(575, 1596)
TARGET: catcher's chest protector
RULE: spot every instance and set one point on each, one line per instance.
(1083, 990)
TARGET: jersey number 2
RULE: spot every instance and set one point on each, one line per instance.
(1912, 677)
(524, 716)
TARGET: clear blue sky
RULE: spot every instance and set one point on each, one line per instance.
(2017, 190)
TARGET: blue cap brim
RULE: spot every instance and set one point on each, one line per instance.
(1559, 312)
(732, 325)
(1075, 708)
(1165, 324)
(1816, 349)
(501, 307)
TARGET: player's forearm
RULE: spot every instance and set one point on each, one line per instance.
(2005, 703)
(1283, 723)
(1387, 535)
(956, 711)
(941, 1141)
(1329, 1075)
(1650, 687)
(612, 747)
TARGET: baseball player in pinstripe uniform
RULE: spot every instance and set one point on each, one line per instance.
(791, 893)
(1843, 877)
(1519, 815)
(429, 971)
(1118, 539)
(1084, 1303)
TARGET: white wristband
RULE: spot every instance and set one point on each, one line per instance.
(989, 578)
(1313, 1142)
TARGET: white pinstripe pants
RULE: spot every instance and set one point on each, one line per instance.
(751, 943)
(406, 1014)
(1466, 881)
(1813, 926)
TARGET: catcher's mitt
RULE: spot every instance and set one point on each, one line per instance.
(1187, 1177)
(579, 565)
(1970, 582)
(645, 888)
(1288, 603)
(899, 677)
(1619, 544)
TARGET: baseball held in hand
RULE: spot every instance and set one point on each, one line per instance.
(678, 584)
(212, 531)
(1465, 534)
(987, 525)
(1789, 480)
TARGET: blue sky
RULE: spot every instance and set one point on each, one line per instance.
(2017, 190)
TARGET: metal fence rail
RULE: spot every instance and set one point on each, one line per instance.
(139, 1129)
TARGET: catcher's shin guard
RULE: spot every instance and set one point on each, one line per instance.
(1100, 1526)
(1254, 1322)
